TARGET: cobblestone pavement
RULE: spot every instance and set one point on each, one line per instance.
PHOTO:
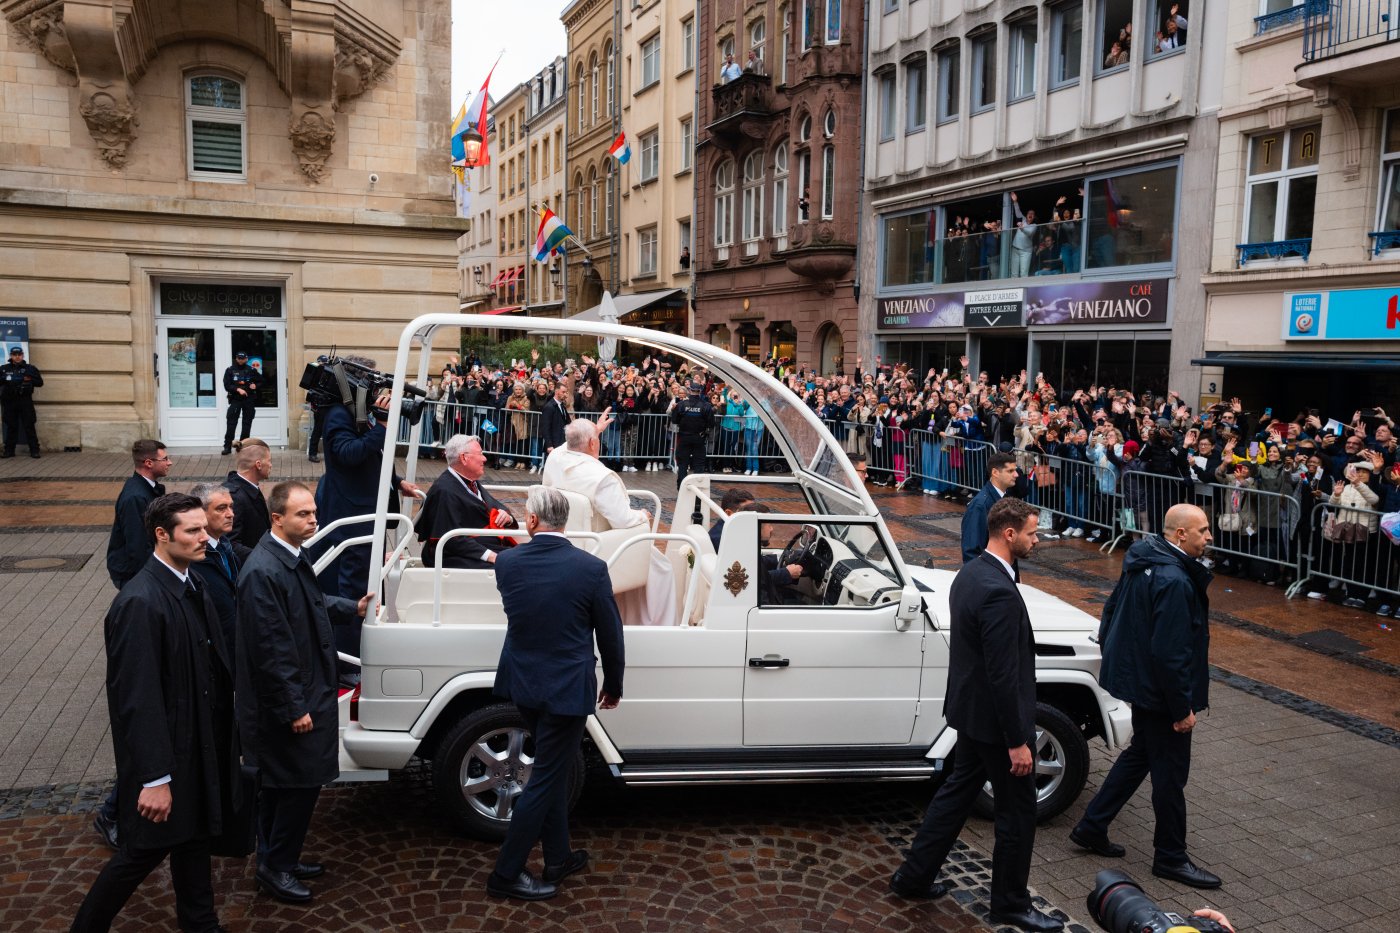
(1293, 795)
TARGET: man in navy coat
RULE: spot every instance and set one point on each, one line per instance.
(1002, 473)
(557, 599)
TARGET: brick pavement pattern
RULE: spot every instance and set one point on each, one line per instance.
(1293, 798)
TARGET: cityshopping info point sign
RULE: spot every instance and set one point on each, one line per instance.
(1139, 301)
(1346, 314)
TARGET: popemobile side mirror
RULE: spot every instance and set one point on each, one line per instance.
(911, 606)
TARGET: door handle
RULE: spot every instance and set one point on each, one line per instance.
(769, 662)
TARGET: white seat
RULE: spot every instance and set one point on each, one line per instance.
(467, 596)
(629, 573)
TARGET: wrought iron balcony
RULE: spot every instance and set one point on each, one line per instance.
(1338, 27)
(1288, 16)
(1383, 240)
(743, 107)
(1280, 249)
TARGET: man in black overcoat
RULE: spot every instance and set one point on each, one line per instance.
(554, 417)
(558, 599)
(1001, 478)
(223, 556)
(458, 500)
(170, 696)
(250, 518)
(130, 543)
(286, 699)
(991, 702)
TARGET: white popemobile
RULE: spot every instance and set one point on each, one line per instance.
(839, 678)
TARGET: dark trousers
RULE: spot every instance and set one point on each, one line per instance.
(974, 764)
(1159, 750)
(19, 419)
(239, 405)
(189, 872)
(690, 456)
(318, 428)
(542, 811)
(284, 816)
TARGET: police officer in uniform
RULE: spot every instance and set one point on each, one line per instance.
(18, 380)
(241, 383)
(692, 415)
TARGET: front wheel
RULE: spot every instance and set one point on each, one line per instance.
(1061, 765)
(481, 768)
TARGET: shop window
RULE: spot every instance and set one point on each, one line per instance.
(949, 83)
(885, 90)
(1115, 365)
(1131, 219)
(908, 248)
(1169, 25)
(1067, 41)
(1388, 213)
(1021, 83)
(1151, 362)
(1116, 34)
(1280, 191)
(216, 126)
(984, 72)
(915, 95)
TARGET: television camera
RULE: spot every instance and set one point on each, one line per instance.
(334, 379)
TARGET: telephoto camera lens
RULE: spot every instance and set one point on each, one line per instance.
(1118, 905)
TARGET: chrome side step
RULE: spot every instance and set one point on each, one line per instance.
(777, 773)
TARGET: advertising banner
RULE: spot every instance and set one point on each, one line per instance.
(1131, 301)
(944, 310)
(1347, 314)
(220, 300)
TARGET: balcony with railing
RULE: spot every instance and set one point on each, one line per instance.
(1350, 44)
(742, 108)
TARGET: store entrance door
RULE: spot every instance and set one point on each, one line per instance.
(191, 356)
(1001, 357)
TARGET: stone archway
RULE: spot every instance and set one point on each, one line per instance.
(831, 350)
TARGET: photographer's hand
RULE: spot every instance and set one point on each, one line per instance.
(1215, 915)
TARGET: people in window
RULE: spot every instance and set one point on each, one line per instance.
(1117, 55)
(1173, 32)
(731, 69)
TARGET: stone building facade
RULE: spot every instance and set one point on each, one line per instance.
(509, 163)
(777, 175)
(185, 180)
(545, 108)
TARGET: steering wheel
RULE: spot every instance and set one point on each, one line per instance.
(799, 549)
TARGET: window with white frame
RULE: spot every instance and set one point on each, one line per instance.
(651, 150)
(593, 67)
(809, 24)
(724, 203)
(751, 198)
(592, 203)
(804, 128)
(646, 251)
(984, 71)
(687, 143)
(884, 87)
(651, 61)
(1066, 42)
(758, 36)
(216, 126)
(915, 94)
(891, 6)
(582, 98)
(1169, 25)
(780, 192)
(611, 59)
(949, 82)
(829, 124)
(1022, 36)
(1388, 215)
(833, 21)
(1281, 184)
(579, 203)
(828, 182)
(683, 234)
(781, 50)
(688, 42)
(610, 180)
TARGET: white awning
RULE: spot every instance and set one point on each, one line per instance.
(627, 304)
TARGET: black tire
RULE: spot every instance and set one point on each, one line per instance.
(1062, 743)
(492, 729)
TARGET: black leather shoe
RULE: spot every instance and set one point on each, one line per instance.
(904, 886)
(34, 455)
(314, 458)
(107, 829)
(576, 862)
(1098, 844)
(1028, 919)
(282, 885)
(1188, 874)
(306, 870)
(226, 451)
(525, 887)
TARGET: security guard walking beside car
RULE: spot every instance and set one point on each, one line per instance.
(241, 382)
(693, 416)
(18, 380)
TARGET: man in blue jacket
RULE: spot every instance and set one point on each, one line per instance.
(557, 599)
(1002, 472)
(1155, 636)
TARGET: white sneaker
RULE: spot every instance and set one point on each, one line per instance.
(1077, 532)
(1316, 595)
(1207, 563)
(753, 472)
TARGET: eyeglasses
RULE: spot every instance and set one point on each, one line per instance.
(158, 459)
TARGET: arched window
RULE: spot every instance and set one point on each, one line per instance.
(829, 124)
(758, 33)
(780, 51)
(578, 204)
(608, 54)
(593, 70)
(582, 98)
(751, 204)
(780, 189)
(828, 182)
(216, 127)
(592, 203)
(724, 203)
(804, 128)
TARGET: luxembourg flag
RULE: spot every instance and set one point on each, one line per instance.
(551, 237)
(620, 150)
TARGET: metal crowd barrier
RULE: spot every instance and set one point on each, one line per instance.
(1346, 548)
(945, 465)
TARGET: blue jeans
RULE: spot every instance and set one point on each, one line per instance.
(752, 438)
(930, 465)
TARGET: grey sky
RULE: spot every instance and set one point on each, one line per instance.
(529, 30)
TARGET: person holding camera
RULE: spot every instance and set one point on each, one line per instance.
(1156, 637)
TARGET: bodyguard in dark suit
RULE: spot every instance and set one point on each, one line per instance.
(250, 517)
(170, 696)
(457, 500)
(286, 700)
(1002, 472)
(130, 543)
(557, 599)
(991, 702)
(554, 417)
(218, 572)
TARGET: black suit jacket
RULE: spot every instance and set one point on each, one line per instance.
(552, 420)
(449, 505)
(222, 586)
(557, 598)
(974, 522)
(991, 662)
(130, 545)
(250, 516)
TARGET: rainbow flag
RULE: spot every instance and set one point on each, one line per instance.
(619, 150)
(551, 237)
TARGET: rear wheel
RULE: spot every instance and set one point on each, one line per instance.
(481, 767)
(1061, 765)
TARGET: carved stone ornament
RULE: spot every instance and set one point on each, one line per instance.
(357, 68)
(312, 136)
(736, 579)
(40, 24)
(112, 124)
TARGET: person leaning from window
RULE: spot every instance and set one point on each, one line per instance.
(778, 580)
(1117, 55)
(1173, 34)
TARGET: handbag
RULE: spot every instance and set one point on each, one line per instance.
(1230, 521)
(1127, 518)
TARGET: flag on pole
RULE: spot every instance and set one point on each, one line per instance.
(551, 236)
(475, 117)
(459, 155)
(619, 150)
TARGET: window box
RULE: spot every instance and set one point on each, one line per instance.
(1383, 241)
(1277, 250)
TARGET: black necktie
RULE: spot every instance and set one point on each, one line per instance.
(190, 589)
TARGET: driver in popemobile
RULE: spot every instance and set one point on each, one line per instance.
(778, 580)
(575, 467)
